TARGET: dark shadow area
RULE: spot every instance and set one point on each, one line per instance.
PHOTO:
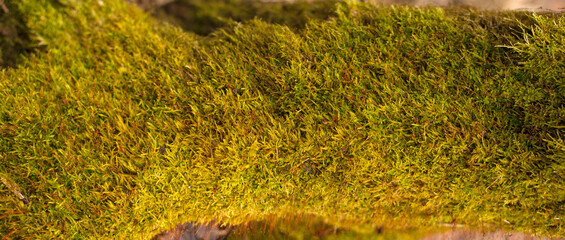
(204, 17)
(14, 35)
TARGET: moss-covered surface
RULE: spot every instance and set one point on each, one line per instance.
(392, 117)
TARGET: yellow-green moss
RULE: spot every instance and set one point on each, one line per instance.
(401, 117)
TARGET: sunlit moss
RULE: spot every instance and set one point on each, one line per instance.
(379, 116)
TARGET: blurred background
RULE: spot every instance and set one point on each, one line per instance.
(203, 17)
(554, 5)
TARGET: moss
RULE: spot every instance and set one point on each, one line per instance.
(379, 116)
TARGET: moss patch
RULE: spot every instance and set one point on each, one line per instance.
(380, 116)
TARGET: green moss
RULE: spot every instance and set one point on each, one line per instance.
(380, 116)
